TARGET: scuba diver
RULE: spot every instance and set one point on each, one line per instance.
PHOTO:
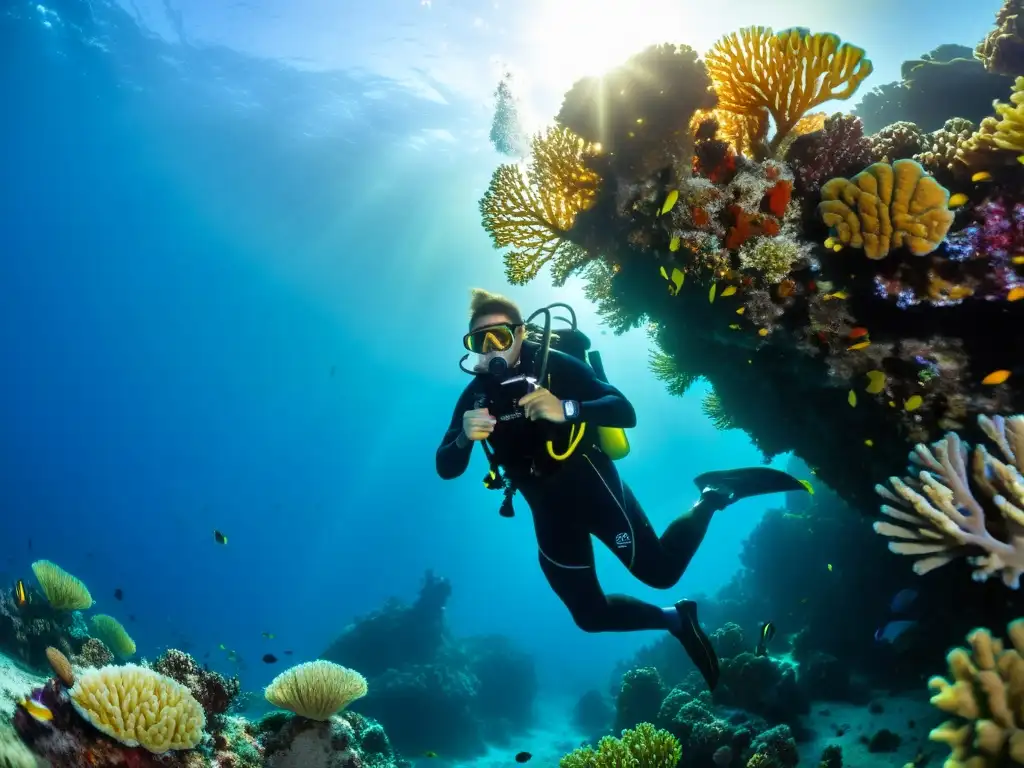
(551, 426)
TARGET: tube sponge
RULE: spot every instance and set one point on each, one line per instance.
(316, 689)
(63, 591)
(984, 694)
(139, 708)
(887, 206)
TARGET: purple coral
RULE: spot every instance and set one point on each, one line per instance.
(838, 149)
(996, 232)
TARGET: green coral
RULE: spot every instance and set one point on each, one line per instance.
(599, 289)
(676, 380)
(642, 747)
(772, 257)
(712, 407)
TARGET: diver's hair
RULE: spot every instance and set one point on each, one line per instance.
(483, 302)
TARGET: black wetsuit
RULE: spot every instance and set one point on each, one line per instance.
(580, 497)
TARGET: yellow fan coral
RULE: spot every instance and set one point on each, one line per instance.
(885, 207)
(788, 74)
(984, 695)
(316, 689)
(114, 635)
(63, 591)
(139, 707)
(533, 211)
(997, 141)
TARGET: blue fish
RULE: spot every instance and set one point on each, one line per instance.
(895, 633)
(903, 600)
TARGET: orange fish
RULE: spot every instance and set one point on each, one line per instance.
(786, 288)
(858, 332)
(1015, 294)
(996, 377)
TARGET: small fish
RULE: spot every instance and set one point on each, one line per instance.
(1020, 159)
(858, 346)
(786, 289)
(764, 636)
(430, 754)
(858, 333)
(269, 658)
(131, 617)
(37, 709)
(523, 757)
(20, 594)
(894, 631)
(220, 538)
(232, 655)
(763, 332)
(876, 382)
(222, 647)
(741, 310)
(729, 291)
(902, 600)
(807, 484)
(119, 594)
(981, 176)
(1015, 294)
(958, 199)
(288, 653)
(830, 567)
(830, 241)
(675, 280)
(1018, 259)
(734, 326)
(673, 244)
(913, 402)
(268, 635)
(851, 398)
(869, 443)
(835, 295)
(837, 247)
(670, 201)
(996, 377)
(711, 293)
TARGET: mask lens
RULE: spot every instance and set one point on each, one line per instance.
(496, 339)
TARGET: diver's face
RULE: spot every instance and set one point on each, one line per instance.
(489, 336)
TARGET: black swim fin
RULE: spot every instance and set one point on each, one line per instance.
(696, 644)
(729, 485)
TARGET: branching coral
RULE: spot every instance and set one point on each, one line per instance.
(639, 113)
(788, 73)
(711, 406)
(532, 211)
(676, 380)
(998, 140)
(644, 745)
(838, 149)
(984, 695)
(1002, 50)
(887, 206)
(63, 591)
(897, 142)
(948, 513)
(213, 691)
(771, 257)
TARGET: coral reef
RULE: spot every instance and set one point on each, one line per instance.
(1002, 50)
(644, 745)
(214, 692)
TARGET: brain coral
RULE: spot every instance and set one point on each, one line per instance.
(139, 707)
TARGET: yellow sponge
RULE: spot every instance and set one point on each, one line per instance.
(316, 689)
(139, 708)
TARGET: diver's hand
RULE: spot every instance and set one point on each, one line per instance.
(541, 404)
(477, 424)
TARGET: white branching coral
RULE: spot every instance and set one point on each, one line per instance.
(948, 510)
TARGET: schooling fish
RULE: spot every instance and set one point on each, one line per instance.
(765, 637)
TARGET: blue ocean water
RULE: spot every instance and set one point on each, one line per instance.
(237, 243)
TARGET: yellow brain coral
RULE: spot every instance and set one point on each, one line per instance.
(316, 689)
(788, 73)
(533, 210)
(885, 207)
(139, 708)
(985, 695)
(63, 591)
(114, 635)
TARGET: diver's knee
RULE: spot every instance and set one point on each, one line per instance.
(589, 621)
(660, 578)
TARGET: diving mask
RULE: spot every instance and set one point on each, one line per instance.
(493, 338)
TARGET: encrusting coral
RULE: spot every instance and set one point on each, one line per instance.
(885, 207)
(316, 690)
(533, 210)
(786, 74)
(949, 508)
(985, 695)
(644, 745)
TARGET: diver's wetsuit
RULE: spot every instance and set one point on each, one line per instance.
(572, 500)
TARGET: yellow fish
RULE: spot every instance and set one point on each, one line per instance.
(1020, 158)
(981, 176)
(37, 709)
(1015, 294)
(711, 293)
(741, 310)
(837, 247)
(957, 200)
(830, 567)
(876, 382)
(735, 326)
(807, 484)
(913, 402)
(675, 280)
(673, 244)
(670, 201)
(869, 443)
(20, 594)
(851, 398)
(859, 345)
(829, 242)
(835, 295)
(1018, 259)
(996, 377)
(763, 332)
(729, 291)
